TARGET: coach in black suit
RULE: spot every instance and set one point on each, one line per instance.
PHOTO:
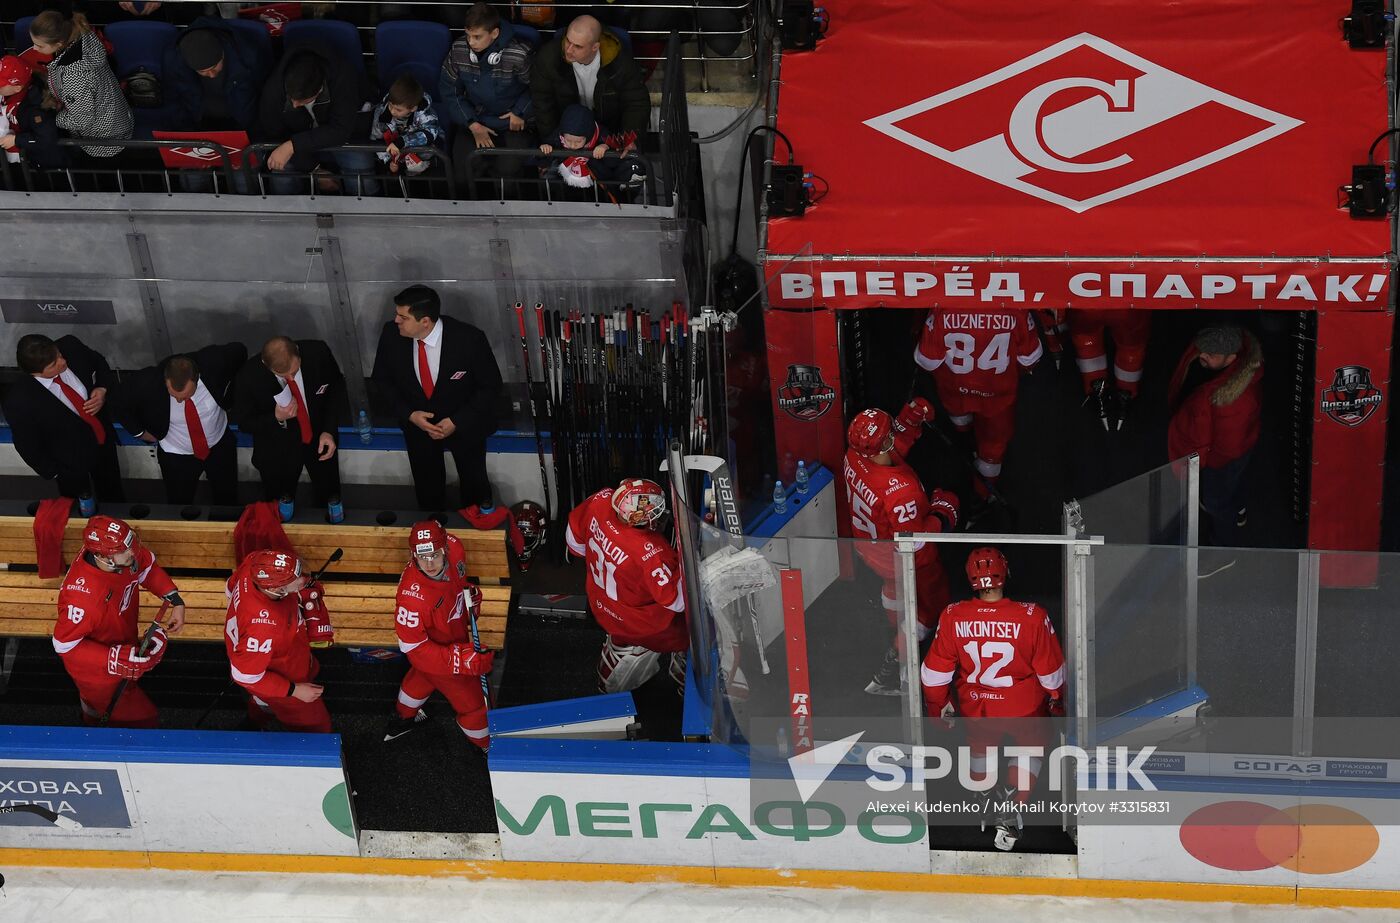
(444, 383)
(290, 398)
(59, 417)
(181, 406)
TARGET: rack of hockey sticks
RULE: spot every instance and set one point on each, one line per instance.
(616, 387)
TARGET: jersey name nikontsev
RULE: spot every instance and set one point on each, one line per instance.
(987, 629)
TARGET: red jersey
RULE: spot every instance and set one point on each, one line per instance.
(1006, 656)
(885, 499)
(266, 640)
(432, 614)
(98, 610)
(977, 352)
(634, 588)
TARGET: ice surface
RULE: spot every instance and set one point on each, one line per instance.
(75, 896)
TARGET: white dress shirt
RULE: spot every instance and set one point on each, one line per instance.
(284, 397)
(211, 417)
(432, 344)
(586, 77)
(69, 379)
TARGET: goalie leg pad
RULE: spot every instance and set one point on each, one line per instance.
(624, 668)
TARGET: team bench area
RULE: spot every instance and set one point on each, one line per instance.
(199, 555)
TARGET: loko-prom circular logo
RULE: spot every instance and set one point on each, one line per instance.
(1247, 836)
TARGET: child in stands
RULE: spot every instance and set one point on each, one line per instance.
(405, 119)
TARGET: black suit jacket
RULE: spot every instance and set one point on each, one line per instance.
(255, 387)
(145, 404)
(468, 383)
(48, 436)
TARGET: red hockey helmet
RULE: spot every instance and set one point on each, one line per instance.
(533, 524)
(274, 570)
(427, 538)
(987, 569)
(639, 502)
(871, 432)
(108, 536)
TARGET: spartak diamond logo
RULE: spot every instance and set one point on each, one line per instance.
(1082, 123)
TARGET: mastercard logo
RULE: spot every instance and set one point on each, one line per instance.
(1247, 836)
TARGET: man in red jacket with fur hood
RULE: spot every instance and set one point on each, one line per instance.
(1215, 398)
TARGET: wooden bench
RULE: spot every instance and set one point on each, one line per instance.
(359, 590)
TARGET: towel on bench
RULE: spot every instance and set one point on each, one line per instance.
(260, 527)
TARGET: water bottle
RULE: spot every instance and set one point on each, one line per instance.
(335, 512)
(804, 481)
(779, 498)
(87, 505)
(286, 508)
(366, 431)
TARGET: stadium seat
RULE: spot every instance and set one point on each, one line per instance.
(528, 33)
(334, 34)
(142, 44)
(22, 40)
(254, 30)
(412, 46)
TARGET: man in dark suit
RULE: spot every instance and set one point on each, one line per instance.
(59, 417)
(290, 399)
(443, 380)
(180, 406)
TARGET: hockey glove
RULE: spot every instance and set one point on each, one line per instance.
(944, 504)
(126, 662)
(467, 661)
(319, 632)
(1057, 707)
(472, 594)
(915, 413)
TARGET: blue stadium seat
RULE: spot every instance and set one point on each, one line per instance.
(254, 30)
(528, 33)
(22, 40)
(339, 36)
(140, 44)
(412, 46)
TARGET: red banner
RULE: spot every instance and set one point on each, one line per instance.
(1350, 411)
(859, 283)
(1075, 132)
(804, 365)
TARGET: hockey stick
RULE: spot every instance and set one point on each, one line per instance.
(141, 652)
(476, 645)
(534, 413)
(334, 556)
(66, 823)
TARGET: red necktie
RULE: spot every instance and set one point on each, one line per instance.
(98, 429)
(425, 374)
(303, 417)
(197, 438)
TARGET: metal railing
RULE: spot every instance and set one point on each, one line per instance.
(538, 172)
(120, 179)
(427, 183)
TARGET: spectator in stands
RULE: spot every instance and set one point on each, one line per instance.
(1216, 398)
(179, 406)
(444, 383)
(313, 103)
(215, 77)
(589, 65)
(82, 87)
(290, 399)
(16, 83)
(404, 119)
(59, 417)
(484, 90)
(579, 131)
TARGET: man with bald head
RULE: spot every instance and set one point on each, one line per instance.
(291, 399)
(588, 65)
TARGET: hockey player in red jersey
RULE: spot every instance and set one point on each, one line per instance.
(436, 603)
(1090, 331)
(274, 616)
(976, 357)
(885, 497)
(98, 635)
(634, 588)
(1008, 664)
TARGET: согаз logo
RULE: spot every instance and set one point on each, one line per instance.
(1030, 125)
